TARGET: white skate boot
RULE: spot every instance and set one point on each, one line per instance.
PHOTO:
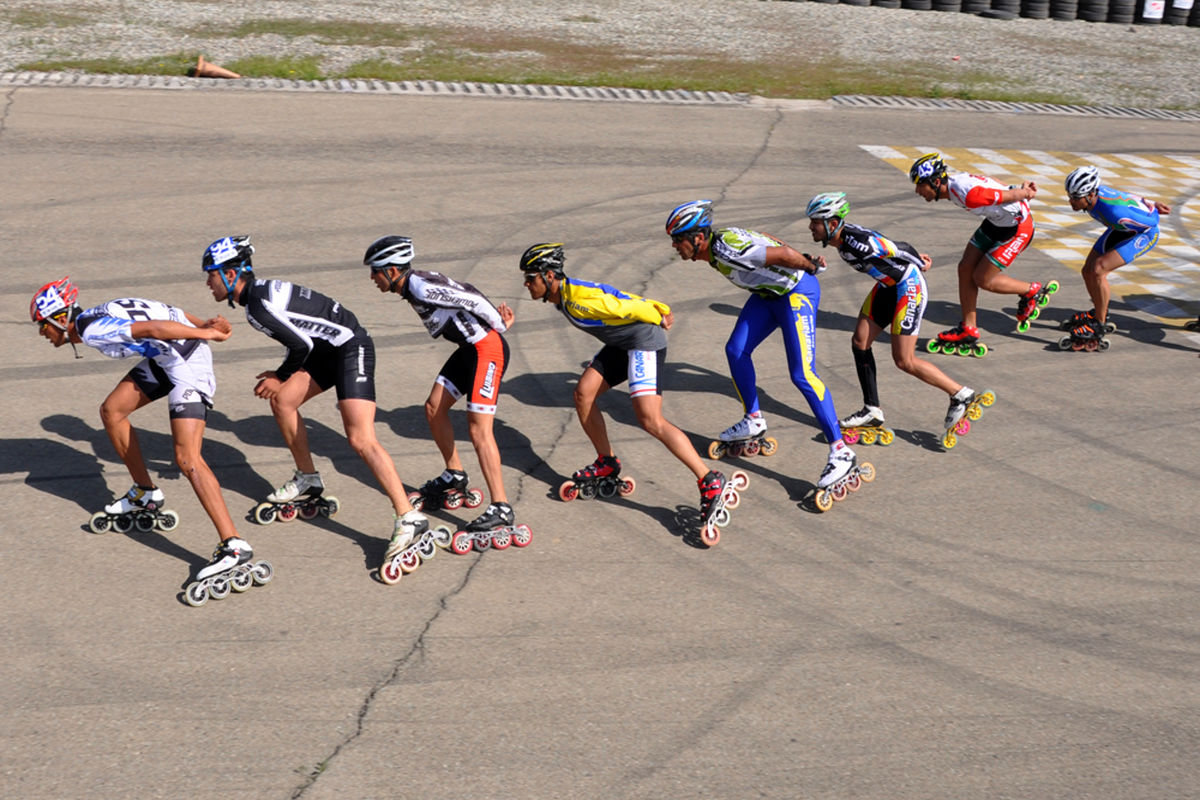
(747, 427)
(138, 498)
(301, 483)
(841, 461)
(404, 530)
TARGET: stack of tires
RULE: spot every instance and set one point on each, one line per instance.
(886, 3)
(976, 6)
(1177, 12)
(1121, 11)
(1065, 10)
(1194, 17)
(917, 5)
(1093, 10)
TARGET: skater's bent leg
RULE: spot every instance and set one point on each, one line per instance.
(991, 278)
(189, 436)
(122, 401)
(358, 417)
(968, 292)
(437, 413)
(648, 408)
(754, 324)
(591, 385)
(904, 353)
(285, 406)
(1098, 287)
(480, 429)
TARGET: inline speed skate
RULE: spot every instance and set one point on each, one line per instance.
(841, 476)
(1194, 325)
(1089, 335)
(960, 340)
(413, 543)
(1031, 303)
(229, 570)
(718, 497)
(601, 477)
(746, 437)
(301, 496)
(141, 507)
(965, 407)
(448, 490)
(867, 425)
(1085, 317)
(493, 528)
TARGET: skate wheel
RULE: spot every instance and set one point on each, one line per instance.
(1051, 287)
(965, 350)
(287, 513)
(1104, 344)
(220, 587)
(839, 491)
(501, 541)
(1023, 325)
(264, 513)
(1077, 346)
(887, 436)
(461, 543)
(854, 482)
(722, 517)
(99, 523)
(850, 437)
(122, 524)
(474, 498)
(568, 491)
(932, 346)
(416, 501)
(769, 446)
(263, 572)
(453, 501)
(981, 350)
(734, 450)
(426, 547)
(442, 536)
(607, 488)
(974, 412)
(963, 427)
(196, 594)
(144, 522)
(823, 500)
(710, 535)
(587, 491)
(309, 510)
(409, 559)
(242, 579)
(1064, 343)
(1091, 346)
(522, 536)
(987, 398)
(866, 471)
(481, 543)
(949, 440)
(627, 486)
(390, 573)
(716, 450)
(751, 448)
(739, 480)
(167, 521)
(732, 498)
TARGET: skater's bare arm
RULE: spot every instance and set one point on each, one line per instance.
(168, 329)
(218, 322)
(507, 316)
(1026, 191)
(787, 257)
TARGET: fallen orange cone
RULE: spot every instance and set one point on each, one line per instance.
(204, 69)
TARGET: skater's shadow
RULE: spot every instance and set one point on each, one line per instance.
(57, 469)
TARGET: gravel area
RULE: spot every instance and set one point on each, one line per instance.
(1097, 63)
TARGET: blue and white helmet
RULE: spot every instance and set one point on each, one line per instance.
(691, 217)
(828, 205)
(1082, 181)
(231, 252)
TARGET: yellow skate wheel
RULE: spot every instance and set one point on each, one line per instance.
(716, 450)
(823, 500)
(866, 471)
(769, 446)
(868, 436)
(987, 398)
(887, 436)
(974, 412)
(949, 440)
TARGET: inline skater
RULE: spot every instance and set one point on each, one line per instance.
(633, 332)
(1006, 230)
(784, 295)
(462, 315)
(1131, 230)
(176, 363)
(896, 301)
(326, 347)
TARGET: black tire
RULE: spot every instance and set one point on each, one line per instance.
(1012, 7)
(855, 2)
(916, 5)
(1121, 12)
(886, 3)
(1035, 9)
(1175, 16)
(947, 5)
(1093, 10)
(1194, 17)
(1065, 10)
(975, 6)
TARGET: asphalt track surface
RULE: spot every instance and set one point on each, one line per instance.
(1016, 618)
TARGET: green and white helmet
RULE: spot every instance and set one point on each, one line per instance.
(828, 205)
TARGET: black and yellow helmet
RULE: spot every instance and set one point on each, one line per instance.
(544, 257)
(929, 167)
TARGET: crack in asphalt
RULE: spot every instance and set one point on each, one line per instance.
(9, 98)
(416, 651)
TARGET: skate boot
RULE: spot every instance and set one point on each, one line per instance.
(965, 406)
(141, 507)
(302, 496)
(1031, 303)
(1194, 325)
(866, 424)
(229, 570)
(495, 527)
(1085, 317)
(413, 542)
(746, 437)
(718, 497)
(448, 490)
(601, 477)
(842, 475)
(1089, 335)
(962, 340)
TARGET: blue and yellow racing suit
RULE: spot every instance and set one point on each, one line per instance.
(1131, 223)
